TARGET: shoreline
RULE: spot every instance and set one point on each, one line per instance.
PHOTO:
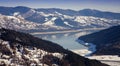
(90, 46)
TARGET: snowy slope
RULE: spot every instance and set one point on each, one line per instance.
(20, 54)
(19, 23)
(68, 21)
(12, 22)
(57, 17)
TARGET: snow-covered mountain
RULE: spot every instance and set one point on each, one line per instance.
(57, 19)
(19, 23)
(84, 12)
(12, 22)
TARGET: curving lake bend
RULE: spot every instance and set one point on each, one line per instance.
(67, 40)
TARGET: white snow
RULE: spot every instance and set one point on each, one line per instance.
(91, 47)
(45, 15)
(82, 52)
(60, 56)
(58, 13)
(12, 22)
(33, 54)
(50, 22)
(92, 21)
(16, 14)
(106, 57)
(112, 60)
(80, 19)
(68, 17)
(68, 24)
(18, 21)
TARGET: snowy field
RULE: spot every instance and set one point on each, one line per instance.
(112, 60)
(108, 59)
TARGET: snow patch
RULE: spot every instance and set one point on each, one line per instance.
(68, 24)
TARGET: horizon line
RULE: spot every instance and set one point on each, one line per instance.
(60, 8)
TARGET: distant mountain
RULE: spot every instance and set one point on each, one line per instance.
(100, 14)
(11, 10)
(20, 24)
(84, 12)
(23, 49)
(107, 41)
(62, 11)
(59, 19)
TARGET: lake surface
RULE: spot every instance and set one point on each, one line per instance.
(67, 40)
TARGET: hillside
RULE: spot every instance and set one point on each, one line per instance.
(107, 41)
(23, 49)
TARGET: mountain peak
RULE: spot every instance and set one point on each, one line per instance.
(22, 7)
(89, 10)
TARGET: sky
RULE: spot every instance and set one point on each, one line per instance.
(104, 5)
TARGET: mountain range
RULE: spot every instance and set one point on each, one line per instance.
(56, 19)
(84, 12)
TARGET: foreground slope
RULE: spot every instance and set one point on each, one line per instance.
(23, 49)
(107, 41)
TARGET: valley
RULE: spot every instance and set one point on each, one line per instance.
(68, 37)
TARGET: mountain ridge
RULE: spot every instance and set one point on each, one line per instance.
(84, 12)
(36, 21)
